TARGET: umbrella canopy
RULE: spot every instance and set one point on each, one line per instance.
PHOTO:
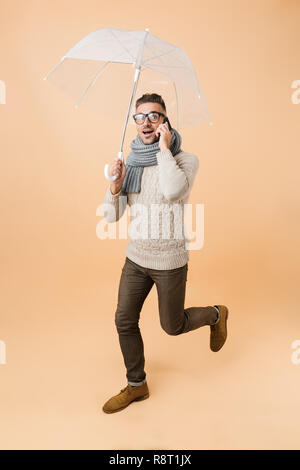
(97, 73)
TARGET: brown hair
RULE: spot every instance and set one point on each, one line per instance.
(151, 98)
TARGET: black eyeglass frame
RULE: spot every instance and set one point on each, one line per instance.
(146, 115)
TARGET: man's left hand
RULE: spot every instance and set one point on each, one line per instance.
(165, 136)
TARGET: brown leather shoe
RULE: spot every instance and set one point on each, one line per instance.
(125, 397)
(218, 331)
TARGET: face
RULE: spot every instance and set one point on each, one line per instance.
(148, 125)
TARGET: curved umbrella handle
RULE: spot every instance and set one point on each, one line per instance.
(106, 172)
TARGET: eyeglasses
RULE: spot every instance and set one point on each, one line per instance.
(153, 116)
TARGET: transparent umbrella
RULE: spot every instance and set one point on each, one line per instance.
(95, 73)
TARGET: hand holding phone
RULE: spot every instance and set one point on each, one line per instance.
(169, 124)
(167, 120)
(164, 137)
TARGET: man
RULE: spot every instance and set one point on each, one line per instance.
(157, 173)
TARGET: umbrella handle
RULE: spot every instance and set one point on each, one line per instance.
(106, 172)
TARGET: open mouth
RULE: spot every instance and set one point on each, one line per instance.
(147, 133)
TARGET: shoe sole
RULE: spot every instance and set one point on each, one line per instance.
(135, 399)
(226, 318)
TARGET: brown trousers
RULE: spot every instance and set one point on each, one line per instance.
(135, 284)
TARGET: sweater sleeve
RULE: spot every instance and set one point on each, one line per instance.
(114, 205)
(176, 175)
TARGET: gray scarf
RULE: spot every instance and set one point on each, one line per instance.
(144, 155)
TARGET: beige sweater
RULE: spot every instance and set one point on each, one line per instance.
(165, 186)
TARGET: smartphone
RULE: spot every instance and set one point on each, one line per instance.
(167, 120)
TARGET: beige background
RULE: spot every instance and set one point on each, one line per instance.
(59, 281)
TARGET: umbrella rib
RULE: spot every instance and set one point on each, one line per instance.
(160, 55)
(177, 106)
(170, 66)
(155, 57)
(91, 83)
(119, 62)
(121, 44)
(55, 67)
(147, 45)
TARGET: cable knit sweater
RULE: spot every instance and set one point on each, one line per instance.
(163, 186)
